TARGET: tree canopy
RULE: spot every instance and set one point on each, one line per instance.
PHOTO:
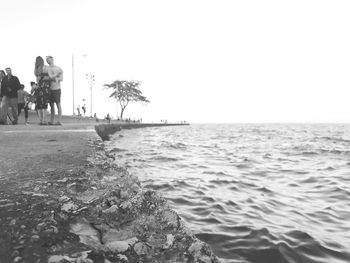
(125, 91)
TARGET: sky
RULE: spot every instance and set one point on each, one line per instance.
(200, 61)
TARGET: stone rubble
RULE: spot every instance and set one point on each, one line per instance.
(96, 214)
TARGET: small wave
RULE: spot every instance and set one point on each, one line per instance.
(335, 139)
(209, 220)
(178, 145)
(335, 151)
(164, 159)
(115, 150)
(308, 153)
(181, 201)
(311, 179)
(222, 182)
(231, 203)
(218, 207)
(164, 187)
(264, 190)
(243, 166)
(208, 199)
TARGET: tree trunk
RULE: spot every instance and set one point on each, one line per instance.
(121, 113)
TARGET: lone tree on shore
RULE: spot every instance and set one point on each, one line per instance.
(125, 91)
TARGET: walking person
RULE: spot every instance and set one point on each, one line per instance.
(9, 87)
(56, 76)
(23, 102)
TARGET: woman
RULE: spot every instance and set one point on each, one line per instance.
(41, 91)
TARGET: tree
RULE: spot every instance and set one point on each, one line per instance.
(126, 91)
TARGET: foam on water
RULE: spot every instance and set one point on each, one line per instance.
(255, 193)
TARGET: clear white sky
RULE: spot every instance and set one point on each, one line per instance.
(200, 61)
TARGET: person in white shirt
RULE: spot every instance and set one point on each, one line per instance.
(56, 75)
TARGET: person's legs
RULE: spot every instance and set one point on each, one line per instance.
(59, 109)
(4, 110)
(14, 106)
(20, 107)
(26, 113)
(40, 114)
(56, 98)
(52, 108)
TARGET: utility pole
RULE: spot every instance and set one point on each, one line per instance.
(73, 82)
(92, 82)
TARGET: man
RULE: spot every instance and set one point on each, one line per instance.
(56, 75)
(9, 87)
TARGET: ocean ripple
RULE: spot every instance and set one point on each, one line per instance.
(274, 193)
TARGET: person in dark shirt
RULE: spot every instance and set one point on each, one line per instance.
(9, 87)
(2, 75)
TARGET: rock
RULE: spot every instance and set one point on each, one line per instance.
(87, 234)
(112, 209)
(141, 249)
(122, 257)
(34, 238)
(156, 241)
(59, 259)
(205, 259)
(118, 235)
(121, 246)
(118, 246)
(169, 241)
(171, 217)
(64, 180)
(68, 207)
(40, 226)
(64, 199)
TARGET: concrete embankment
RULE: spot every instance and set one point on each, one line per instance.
(105, 130)
(62, 199)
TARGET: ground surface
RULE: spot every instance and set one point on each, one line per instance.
(62, 199)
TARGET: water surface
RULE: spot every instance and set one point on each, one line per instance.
(255, 193)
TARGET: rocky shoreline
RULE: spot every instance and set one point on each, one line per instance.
(94, 212)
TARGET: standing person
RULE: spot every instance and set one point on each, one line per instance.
(2, 75)
(78, 110)
(84, 109)
(56, 76)
(22, 102)
(9, 87)
(40, 93)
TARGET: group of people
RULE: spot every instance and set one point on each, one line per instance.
(46, 90)
(83, 108)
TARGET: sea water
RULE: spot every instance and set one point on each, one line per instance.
(254, 192)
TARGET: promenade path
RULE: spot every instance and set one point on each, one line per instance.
(32, 159)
